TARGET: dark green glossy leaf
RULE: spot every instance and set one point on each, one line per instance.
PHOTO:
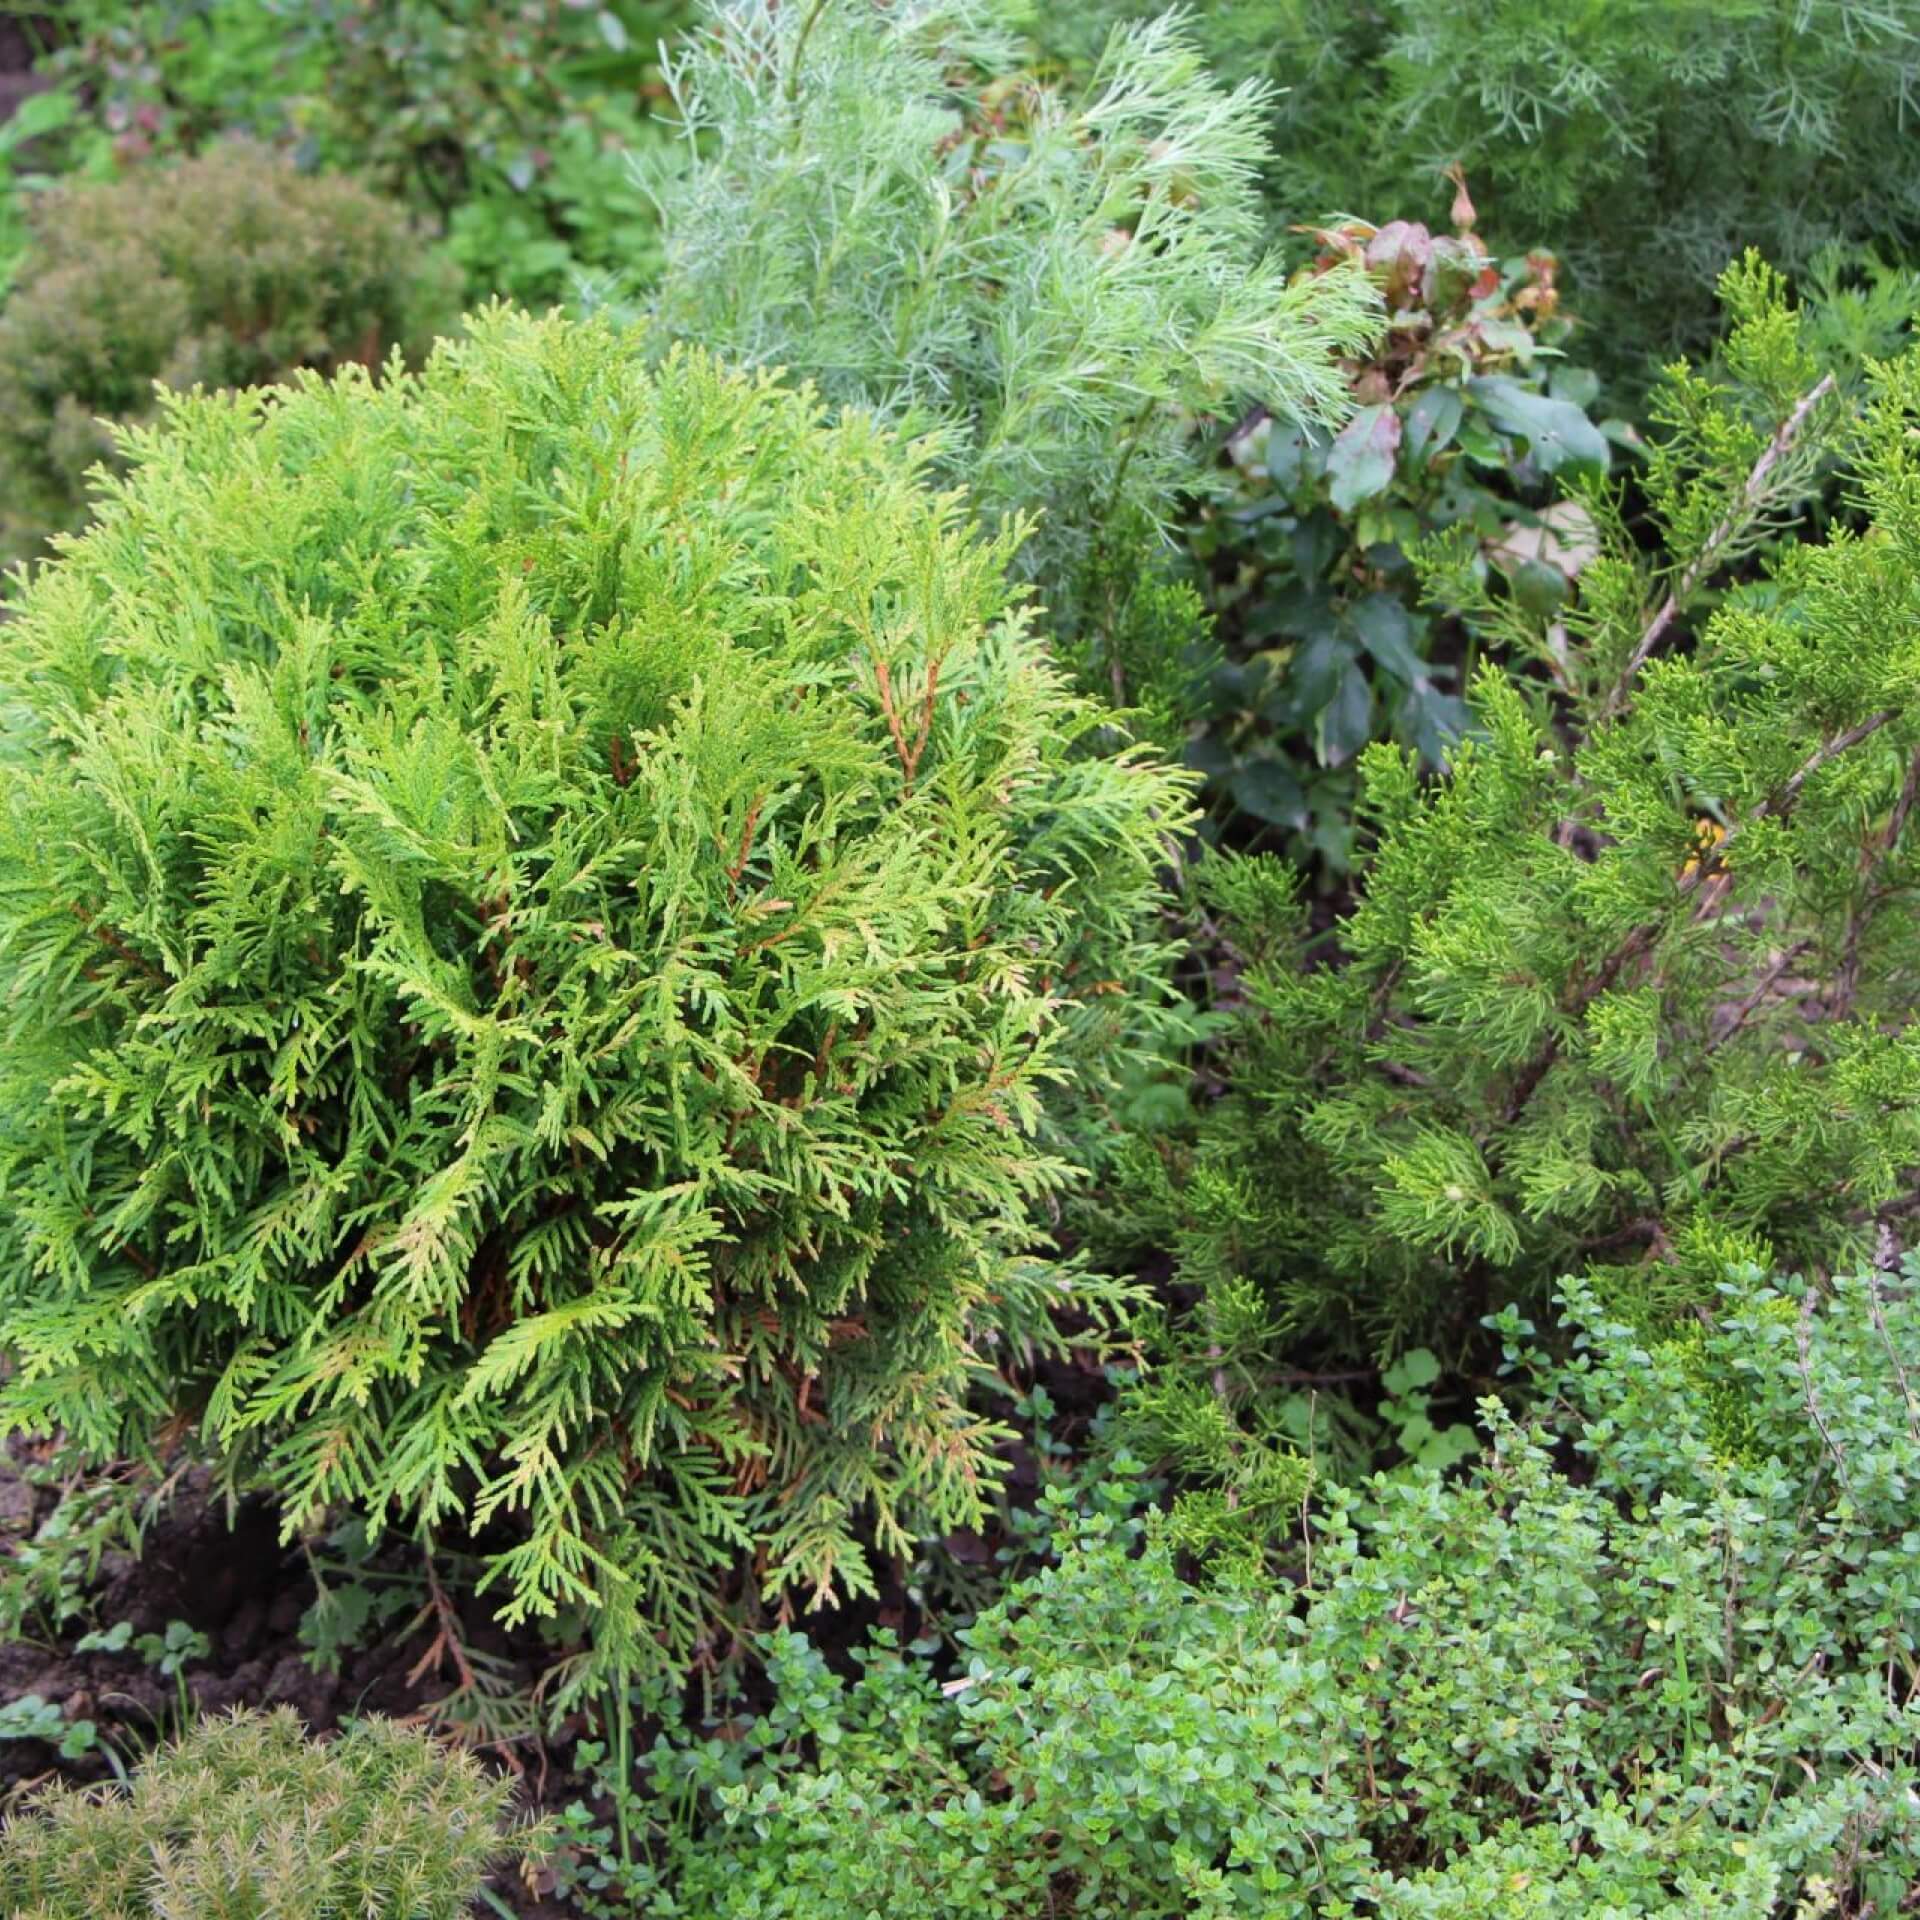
(1360, 462)
(1346, 721)
(1208, 755)
(1432, 421)
(1269, 791)
(1232, 682)
(1315, 543)
(1559, 434)
(1386, 630)
(1295, 608)
(1437, 721)
(1293, 455)
(1316, 669)
(1479, 442)
(1577, 386)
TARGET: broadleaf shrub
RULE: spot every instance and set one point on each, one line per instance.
(1466, 413)
(1677, 1681)
(1629, 988)
(559, 924)
(880, 198)
(504, 124)
(229, 270)
(246, 1818)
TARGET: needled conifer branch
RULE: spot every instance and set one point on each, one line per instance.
(1753, 499)
(1541, 1050)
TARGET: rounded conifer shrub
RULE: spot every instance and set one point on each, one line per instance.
(230, 270)
(548, 913)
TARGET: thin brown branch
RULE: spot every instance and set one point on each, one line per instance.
(1708, 557)
(1902, 807)
(1782, 802)
(885, 679)
(117, 944)
(746, 842)
(447, 1642)
(908, 756)
(926, 719)
(1762, 987)
(1804, 1346)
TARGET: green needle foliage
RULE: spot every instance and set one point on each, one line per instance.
(878, 198)
(1647, 141)
(1676, 1683)
(247, 1819)
(542, 904)
(1631, 986)
(231, 270)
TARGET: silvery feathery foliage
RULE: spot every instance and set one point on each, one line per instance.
(879, 200)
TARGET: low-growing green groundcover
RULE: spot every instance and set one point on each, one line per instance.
(1652, 1658)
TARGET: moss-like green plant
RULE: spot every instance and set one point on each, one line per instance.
(541, 908)
(248, 1819)
(230, 270)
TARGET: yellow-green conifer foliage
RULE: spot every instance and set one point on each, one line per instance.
(542, 907)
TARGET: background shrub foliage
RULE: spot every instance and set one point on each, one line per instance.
(228, 270)
(1647, 141)
(872, 197)
(545, 903)
(505, 126)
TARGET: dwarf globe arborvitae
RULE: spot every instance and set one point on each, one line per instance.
(542, 904)
(1631, 988)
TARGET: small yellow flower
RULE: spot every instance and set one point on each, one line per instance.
(1707, 835)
